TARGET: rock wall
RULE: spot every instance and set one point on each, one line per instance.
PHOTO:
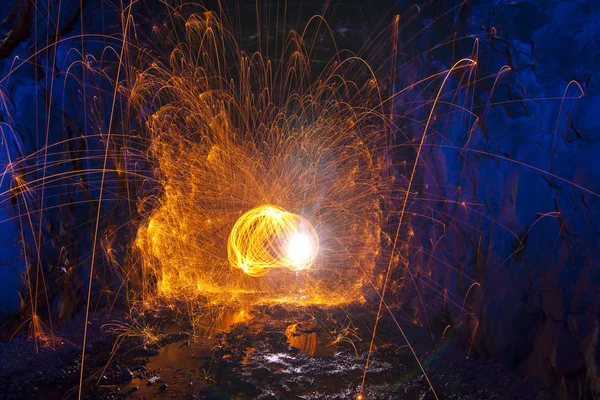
(54, 118)
(506, 210)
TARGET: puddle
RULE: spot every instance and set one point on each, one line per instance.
(184, 366)
(220, 320)
(309, 340)
(256, 359)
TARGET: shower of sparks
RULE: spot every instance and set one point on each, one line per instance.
(233, 132)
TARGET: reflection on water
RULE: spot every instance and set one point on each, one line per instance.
(185, 366)
(308, 340)
(220, 319)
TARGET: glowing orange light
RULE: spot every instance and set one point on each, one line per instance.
(269, 237)
(251, 163)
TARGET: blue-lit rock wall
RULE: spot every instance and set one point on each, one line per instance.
(54, 116)
(507, 212)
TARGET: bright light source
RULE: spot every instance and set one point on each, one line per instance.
(268, 237)
(300, 249)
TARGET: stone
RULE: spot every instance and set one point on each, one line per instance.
(580, 325)
(531, 385)
(260, 372)
(552, 303)
(538, 363)
(566, 357)
(590, 348)
(127, 375)
(544, 396)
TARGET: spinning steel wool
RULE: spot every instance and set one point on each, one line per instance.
(263, 167)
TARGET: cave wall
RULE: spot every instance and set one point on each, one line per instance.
(54, 118)
(519, 179)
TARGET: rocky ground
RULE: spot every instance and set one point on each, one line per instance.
(262, 353)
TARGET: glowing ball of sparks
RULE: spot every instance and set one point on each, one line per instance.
(268, 237)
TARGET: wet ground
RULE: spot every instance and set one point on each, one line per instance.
(262, 353)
